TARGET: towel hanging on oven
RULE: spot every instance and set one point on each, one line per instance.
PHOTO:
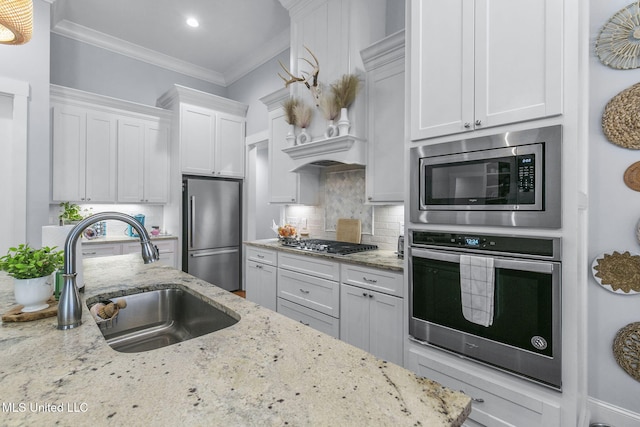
(477, 289)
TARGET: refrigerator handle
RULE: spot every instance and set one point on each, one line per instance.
(192, 220)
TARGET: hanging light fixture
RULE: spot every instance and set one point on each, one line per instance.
(16, 21)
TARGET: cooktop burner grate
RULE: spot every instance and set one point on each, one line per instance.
(328, 246)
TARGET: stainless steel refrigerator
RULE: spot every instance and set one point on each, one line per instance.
(212, 218)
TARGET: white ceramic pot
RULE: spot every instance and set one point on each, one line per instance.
(33, 293)
(343, 124)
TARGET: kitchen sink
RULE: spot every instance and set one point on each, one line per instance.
(159, 318)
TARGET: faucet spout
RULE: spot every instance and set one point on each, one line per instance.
(69, 307)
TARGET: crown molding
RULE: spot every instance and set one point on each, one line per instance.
(178, 94)
(81, 33)
(274, 100)
(259, 56)
(387, 50)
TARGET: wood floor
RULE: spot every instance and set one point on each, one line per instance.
(240, 293)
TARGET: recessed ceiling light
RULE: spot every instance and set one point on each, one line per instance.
(193, 22)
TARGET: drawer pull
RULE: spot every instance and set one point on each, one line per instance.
(369, 280)
(259, 266)
(364, 294)
(304, 291)
(305, 324)
(89, 253)
(474, 399)
(260, 256)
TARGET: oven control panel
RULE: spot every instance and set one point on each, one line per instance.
(525, 245)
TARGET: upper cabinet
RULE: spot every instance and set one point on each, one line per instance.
(209, 130)
(107, 150)
(384, 63)
(475, 65)
(84, 154)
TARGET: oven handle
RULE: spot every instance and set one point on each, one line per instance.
(498, 262)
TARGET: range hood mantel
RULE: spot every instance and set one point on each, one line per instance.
(347, 149)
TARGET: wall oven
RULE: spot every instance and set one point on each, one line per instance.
(509, 318)
(510, 179)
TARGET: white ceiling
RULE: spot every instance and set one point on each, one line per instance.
(234, 36)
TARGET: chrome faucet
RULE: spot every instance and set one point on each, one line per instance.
(69, 308)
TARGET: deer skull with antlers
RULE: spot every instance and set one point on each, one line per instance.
(310, 80)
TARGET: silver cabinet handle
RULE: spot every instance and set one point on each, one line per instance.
(193, 220)
(467, 125)
(304, 291)
(369, 280)
(259, 266)
(478, 122)
(218, 252)
(89, 253)
(474, 399)
(305, 324)
(364, 294)
(260, 256)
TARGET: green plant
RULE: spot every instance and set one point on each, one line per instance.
(70, 212)
(25, 262)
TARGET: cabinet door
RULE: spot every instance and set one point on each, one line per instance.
(442, 67)
(69, 153)
(101, 157)
(517, 77)
(197, 139)
(385, 333)
(130, 161)
(283, 184)
(386, 133)
(354, 316)
(261, 284)
(230, 146)
(156, 163)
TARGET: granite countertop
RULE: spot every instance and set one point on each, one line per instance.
(264, 370)
(124, 239)
(378, 258)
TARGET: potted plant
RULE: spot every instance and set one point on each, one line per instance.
(32, 271)
(70, 213)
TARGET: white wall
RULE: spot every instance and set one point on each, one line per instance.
(30, 63)
(614, 211)
(92, 69)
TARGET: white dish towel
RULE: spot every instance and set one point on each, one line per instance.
(477, 288)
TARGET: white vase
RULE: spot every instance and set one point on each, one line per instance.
(291, 136)
(332, 130)
(33, 293)
(343, 123)
(303, 137)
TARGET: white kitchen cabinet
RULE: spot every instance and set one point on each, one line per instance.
(286, 187)
(384, 63)
(167, 249)
(261, 277)
(143, 161)
(494, 402)
(210, 132)
(96, 250)
(84, 155)
(473, 65)
(308, 317)
(370, 319)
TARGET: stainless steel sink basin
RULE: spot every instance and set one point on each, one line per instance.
(159, 318)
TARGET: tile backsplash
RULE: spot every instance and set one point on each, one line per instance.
(343, 196)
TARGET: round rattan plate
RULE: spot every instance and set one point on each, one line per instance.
(618, 44)
(621, 121)
(632, 176)
(626, 349)
(618, 272)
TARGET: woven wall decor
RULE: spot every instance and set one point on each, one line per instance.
(632, 176)
(626, 349)
(618, 44)
(621, 121)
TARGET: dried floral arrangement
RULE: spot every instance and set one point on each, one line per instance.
(302, 113)
(345, 90)
(329, 106)
(289, 107)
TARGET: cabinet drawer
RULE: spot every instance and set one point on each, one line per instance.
(264, 256)
(493, 404)
(98, 250)
(308, 317)
(312, 292)
(388, 282)
(164, 246)
(310, 265)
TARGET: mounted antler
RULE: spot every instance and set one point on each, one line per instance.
(310, 80)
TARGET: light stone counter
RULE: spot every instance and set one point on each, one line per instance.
(266, 370)
(384, 259)
(124, 239)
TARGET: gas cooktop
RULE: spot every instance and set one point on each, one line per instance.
(327, 246)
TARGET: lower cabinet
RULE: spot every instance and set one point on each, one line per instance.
(372, 321)
(166, 247)
(493, 403)
(261, 284)
(321, 322)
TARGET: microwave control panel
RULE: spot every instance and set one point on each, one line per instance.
(526, 178)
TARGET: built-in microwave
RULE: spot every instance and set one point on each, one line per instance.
(509, 179)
